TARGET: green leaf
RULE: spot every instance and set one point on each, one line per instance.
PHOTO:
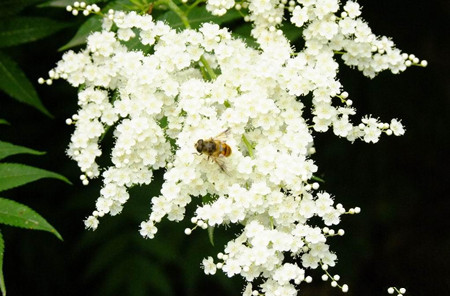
(211, 235)
(24, 29)
(292, 32)
(198, 16)
(12, 7)
(14, 175)
(7, 149)
(4, 121)
(15, 214)
(136, 44)
(315, 178)
(14, 82)
(243, 32)
(2, 279)
(94, 23)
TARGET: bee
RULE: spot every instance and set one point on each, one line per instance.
(215, 148)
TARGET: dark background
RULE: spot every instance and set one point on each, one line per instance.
(400, 238)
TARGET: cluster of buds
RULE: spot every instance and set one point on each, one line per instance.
(82, 7)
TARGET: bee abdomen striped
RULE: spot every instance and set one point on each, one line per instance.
(226, 150)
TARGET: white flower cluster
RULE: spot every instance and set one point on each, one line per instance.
(159, 104)
(326, 29)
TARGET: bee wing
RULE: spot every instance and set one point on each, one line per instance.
(221, 164)
(223, 135)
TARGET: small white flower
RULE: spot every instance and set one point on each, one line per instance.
(352, 8)
(315, 235)
(148, 229)
(309, 261)
(91, 222)
(231, 267)
(397, 127)
(209, 266)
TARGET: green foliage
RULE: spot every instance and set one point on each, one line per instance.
(92, 24)
(18, 30)
(137, 273)
(211, 234)
(8, 149)
(14, 82)
(2, 279)
(15, 214)
(243, 32)
(292, 32)
(136, 44)
(11, 212)
(197, 16)
(124, 263)
(12, 7)
(14, 175)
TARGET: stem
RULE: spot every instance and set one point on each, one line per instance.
(329, 275)
(195, 4)
(204, 75)
(210, 71)
(184, 19)
(248, 145)
(104, 133)
(181, 14)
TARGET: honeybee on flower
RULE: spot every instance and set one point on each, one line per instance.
(215, 148)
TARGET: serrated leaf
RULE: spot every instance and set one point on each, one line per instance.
(14, 175)
(16, 214)
(198, 16)
(4, 121)
(14, 82)
(24, 29)
(12, 7)
(7, 149)
(211, 235)
(2, 279)
(92, 24)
